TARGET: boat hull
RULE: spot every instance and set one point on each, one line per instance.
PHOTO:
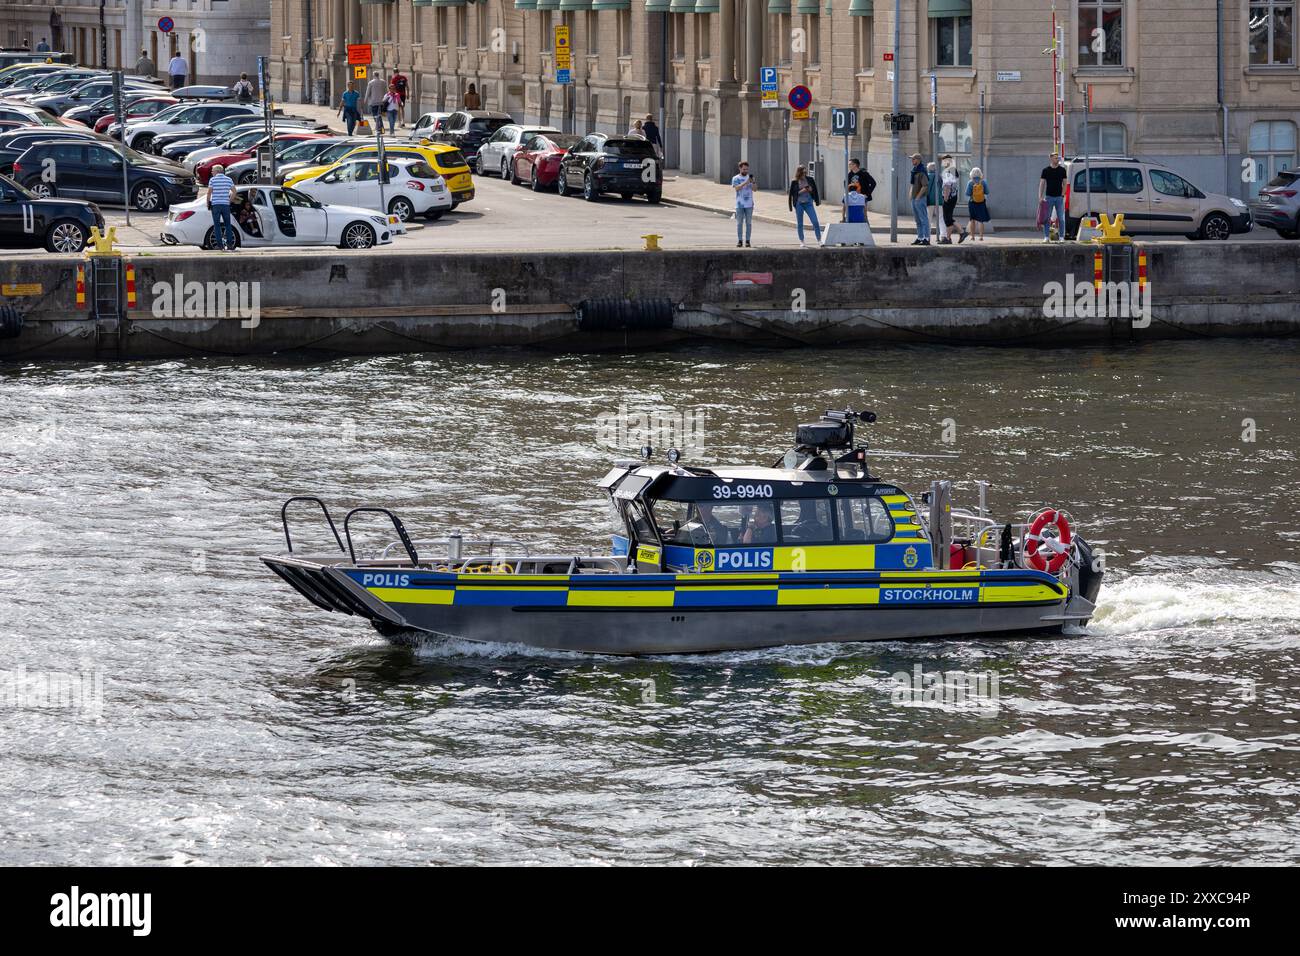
(634, 614)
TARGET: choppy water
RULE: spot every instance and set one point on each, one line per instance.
(239, 724)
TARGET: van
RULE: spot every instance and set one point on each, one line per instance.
(1153, 198)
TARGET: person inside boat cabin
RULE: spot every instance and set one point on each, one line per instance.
(704, 530)
(761, 527)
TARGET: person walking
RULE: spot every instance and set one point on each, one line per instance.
(951, 190)
(220, 187)
(636, 129)
(920, 192)
(471, 100)
(743, 185)
(350, 107)
(178, 69)
(803, 199)
(977, 192)
(144, 66)
(392, 105)
(651, 130)
(1051, 198)
(403, 86)
(42, 47)
(376, 90)
(243, 89)
(934, 201)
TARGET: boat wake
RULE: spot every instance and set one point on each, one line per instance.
(1198, 599)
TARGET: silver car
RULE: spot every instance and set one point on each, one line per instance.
(1278, 204)
(498, 153)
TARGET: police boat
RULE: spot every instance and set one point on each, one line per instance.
(814, 549)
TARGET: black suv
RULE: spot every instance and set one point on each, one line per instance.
(15, 142)
(626, 165)
(60, 225)
(93, 170)
(467, 130)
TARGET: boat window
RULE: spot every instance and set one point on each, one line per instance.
(863, 519)
(640, 521)
(703, 524)
(806, 521)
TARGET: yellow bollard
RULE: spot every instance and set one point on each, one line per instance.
(102, 245)
(652, 243)
(1113, 232)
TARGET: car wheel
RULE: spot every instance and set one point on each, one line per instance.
(247, 177)
(210, 237)
(358, 235)
(626, 197)
(589, 189)
(505, 169)
(142, 143)
(66, 235)
(1289, 233)
(514, 175)
(478, 165)
(147, 197)
(41, 190)
(654, 195)
(402, 209)
(535, 182)
(562, 183)
(1216, 226)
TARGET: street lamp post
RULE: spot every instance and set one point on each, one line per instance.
(103, 38)
(893, 154)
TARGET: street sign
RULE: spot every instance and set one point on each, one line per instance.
(563, 51)
(767, 88)
(800, 98)
(359, 54)
(358, 73)
(166, 24)
(844, 122)
(899, 122)
(563, 77)
(889, 58)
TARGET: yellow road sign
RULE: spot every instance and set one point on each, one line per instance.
(358, 73)
(563, 52)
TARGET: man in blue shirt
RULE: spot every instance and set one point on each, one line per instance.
(743, 184)
(220, 186)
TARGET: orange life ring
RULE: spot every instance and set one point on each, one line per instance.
(1058, 547)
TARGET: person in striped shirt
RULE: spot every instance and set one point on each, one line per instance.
(220, 186)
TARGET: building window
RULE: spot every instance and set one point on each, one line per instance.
(679, 35)
(462, 27)
(1273, 149)
(593, 32)
(442, 25)
(480, 11)
(950, 41)
(784, 36)
(955, 139)
(862, 44)
(548, 31)
(703, 35)
(1272, 34)
(1101, 33)
(1103, 139)
(625, 33)
(814, 27)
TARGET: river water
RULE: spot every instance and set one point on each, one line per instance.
(167, 700)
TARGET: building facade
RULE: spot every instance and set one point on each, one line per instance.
(219, 38)
(1211, 87)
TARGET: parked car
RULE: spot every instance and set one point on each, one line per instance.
(537, 162)
(498, 153)
(1278, 204)
(323, 153)
(414, 188)
(88, 92)
(283, 217)
(46, 84)
(31, 116)
(93, 170)
(14, 143)
(246, 151)
(1153, 198)
(446, 160)
(136, 109)
(28, 221)
(140, 133)
(467, 130)
(92, 113)
(181, 146)
(427, 125)
(599, 163)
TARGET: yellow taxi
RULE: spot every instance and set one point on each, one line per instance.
(447, 160)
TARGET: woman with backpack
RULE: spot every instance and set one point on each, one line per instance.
(977, 191)
(243, 89)
(803, 200)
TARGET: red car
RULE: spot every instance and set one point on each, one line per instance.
(537, 162)
(204, 169)
(137, 109)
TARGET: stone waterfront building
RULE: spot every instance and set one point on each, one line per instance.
(1167, 77)
(219, 38)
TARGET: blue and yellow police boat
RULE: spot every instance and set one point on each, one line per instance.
(812, 550)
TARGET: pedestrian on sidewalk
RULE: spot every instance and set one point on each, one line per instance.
(636, 129)
(220, 186)
(43, 46)
(392, 104)
(144, 66)
(471, 100)
(1051, 198)
(349, 107)
(403, 90)
(376, 90)
(951, 180)
(934, 200)
(855, 205)
(743, 184)
(859, 177)
(977, 191)
(651, 130)
(920, 192)
(243, 89)
(178, 69)
(803, 200)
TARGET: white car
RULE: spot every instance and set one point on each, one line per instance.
(497, 155)
(280, 217)
(139, 134)
(427, 125)
(414, 188)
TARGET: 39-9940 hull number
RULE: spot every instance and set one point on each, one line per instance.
(742, 491)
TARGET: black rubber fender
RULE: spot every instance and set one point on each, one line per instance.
(615, 314)
(11, 322)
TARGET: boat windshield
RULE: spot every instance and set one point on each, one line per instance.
(703, 524)
(707, 524)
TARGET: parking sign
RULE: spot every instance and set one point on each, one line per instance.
(767, 88)
(844, 122)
